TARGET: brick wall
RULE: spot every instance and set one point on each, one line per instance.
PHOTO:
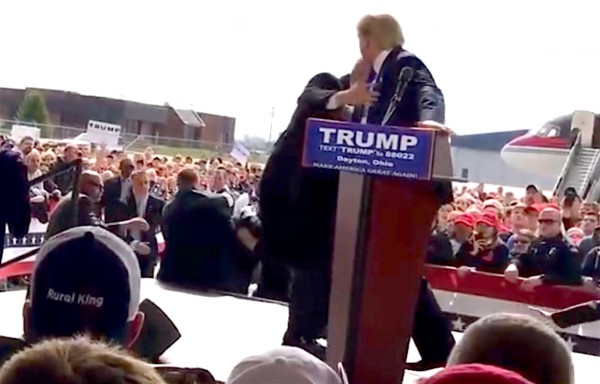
(219, 129)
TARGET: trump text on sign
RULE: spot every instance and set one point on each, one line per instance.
(369, 149)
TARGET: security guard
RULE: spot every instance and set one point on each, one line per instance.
(297, 210)
(15, 210)
(554, 255)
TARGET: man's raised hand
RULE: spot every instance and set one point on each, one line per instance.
(359, 93)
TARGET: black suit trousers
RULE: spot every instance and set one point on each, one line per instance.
(309, 303)
(309, 311)
(431, 329)
(146, 265)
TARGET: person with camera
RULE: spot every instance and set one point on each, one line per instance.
(485, 251)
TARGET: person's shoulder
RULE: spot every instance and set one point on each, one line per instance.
(156, 200)
(10, 154)
(112, 180)
(11, 159)
(402, 55)
(502, 248)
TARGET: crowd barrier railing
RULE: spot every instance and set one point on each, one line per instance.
(497, 287)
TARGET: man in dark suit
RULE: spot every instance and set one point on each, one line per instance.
(422, 104)
(202, 250)
(297, 208)
(15, 210)
(142, 204)
(64, 180)
(90, 189)
(117, 192)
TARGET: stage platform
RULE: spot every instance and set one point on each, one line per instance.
(218, 331)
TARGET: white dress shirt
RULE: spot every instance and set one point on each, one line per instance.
(125, 189)
(377, 64)
(140, 203)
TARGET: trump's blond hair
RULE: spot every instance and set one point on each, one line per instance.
(384, 30)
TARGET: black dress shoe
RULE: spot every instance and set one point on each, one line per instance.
(423, 365)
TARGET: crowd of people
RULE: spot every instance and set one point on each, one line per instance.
(544, 240)
(206, 211)
(229, 177)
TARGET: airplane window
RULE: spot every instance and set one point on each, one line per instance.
(548, 131)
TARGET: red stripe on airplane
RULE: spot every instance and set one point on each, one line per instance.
(543, 142)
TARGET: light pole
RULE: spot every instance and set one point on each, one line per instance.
(271, 127)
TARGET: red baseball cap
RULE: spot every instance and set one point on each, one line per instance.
(475, 374)
(535, 208)
(464, 219)
(489, 219)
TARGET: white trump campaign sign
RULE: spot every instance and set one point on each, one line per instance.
(18, 132)
(99, 132)
(240, 153)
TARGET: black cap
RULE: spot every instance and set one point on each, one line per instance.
(532, 186)
(570, 191)
(325, 81)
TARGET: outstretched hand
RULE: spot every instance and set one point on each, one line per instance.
(137, 224)
(359, 93)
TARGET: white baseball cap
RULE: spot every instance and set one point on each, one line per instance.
(283, 365)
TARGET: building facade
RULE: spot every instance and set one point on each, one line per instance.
(154, 123)
(476, 158)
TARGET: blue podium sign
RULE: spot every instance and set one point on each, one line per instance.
(369, 149)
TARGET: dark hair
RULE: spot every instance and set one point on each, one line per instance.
(25, 138)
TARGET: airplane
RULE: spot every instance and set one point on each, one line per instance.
(542, 150)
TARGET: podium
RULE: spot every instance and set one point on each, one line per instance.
(386, 205)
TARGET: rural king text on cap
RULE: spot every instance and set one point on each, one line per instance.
(75, 298)
(375, 140)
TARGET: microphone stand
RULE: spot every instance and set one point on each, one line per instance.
(405, 77)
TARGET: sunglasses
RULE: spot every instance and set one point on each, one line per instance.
(547, 221)
(522, 241)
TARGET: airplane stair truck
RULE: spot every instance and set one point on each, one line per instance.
(582, 167)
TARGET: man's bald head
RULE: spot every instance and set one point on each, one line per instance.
(549, 222)
(70, 152)
(91, 184)
(550, 213)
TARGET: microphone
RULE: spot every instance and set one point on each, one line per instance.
(405, 76)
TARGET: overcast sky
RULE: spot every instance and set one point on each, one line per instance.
(501, 64)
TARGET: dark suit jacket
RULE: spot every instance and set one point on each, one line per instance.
(297, 205)
(63, 181)
(202, 250)
(15, 210)
(115, 210)
(62, 217)
(421, 101)
(153, 215)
